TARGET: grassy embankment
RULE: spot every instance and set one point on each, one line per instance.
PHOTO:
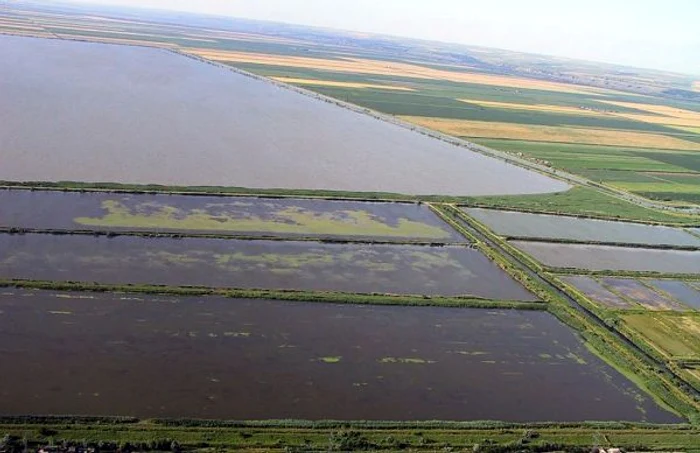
(290, 295)
(578, 201)
(128, 434)
(666, 388)
(669, 336)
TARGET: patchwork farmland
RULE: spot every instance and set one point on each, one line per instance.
(299, 243)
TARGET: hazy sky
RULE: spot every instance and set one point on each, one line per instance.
(661, 34)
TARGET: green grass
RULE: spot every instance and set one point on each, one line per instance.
(290, 435)
(677, 335)
(663, 386)
(431, 104)
(582, 201)
(576, 158)
(290, 295)
(659, 175)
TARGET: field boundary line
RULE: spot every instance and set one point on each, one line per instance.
(418, 300)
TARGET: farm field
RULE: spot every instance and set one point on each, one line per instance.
(230, 116)
(281, 359)
(658, 315)
(601, 257)
(221, 215)
(675, 335)
(582, 201)
(525, 225)
(265, 264)
(551, 134)
(654, 173)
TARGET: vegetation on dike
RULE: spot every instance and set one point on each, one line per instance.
(578, 201)
(240, 237)
(631, 245)
(657, 380)
(582, 202)
(290, 295)
(620, 273)
(109, 434)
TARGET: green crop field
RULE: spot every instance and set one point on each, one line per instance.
(675, 335)
(668, 175)
(581, 201)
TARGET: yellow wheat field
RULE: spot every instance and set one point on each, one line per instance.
(662, 114)
(366, 66)
(557, 134)
(118, 40)
(679, 118)
(693, 130)
(332, 83)
(11, 27)
(535, 107)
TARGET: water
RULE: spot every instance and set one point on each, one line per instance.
(127, 354)
(526, 225)
(75, 111)
(600, 257)
(232, 263)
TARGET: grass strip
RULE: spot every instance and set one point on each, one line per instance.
(289, 295)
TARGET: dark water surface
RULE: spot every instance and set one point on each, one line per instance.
(126, 354)
(233, 263)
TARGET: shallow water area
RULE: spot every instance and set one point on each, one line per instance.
(100, 354)
(258, 264)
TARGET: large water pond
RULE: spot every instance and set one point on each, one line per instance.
(127, 354)
(526, 225)
(221, 215)
(76, 111)
(600, 257)
(232, 263)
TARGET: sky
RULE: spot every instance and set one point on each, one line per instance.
(659, 34)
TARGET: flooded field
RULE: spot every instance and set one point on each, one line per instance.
(600, 257)
(642, 294)
(525, 225)
(221, 215)
(400, 269)
(85, 353)
(679, 290)
(142, 115)
(596, 292)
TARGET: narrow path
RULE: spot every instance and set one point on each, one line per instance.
(589, 315)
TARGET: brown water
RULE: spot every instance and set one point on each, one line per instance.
(232, 263)
(221, 215)
(96, 112)
(122, 354)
